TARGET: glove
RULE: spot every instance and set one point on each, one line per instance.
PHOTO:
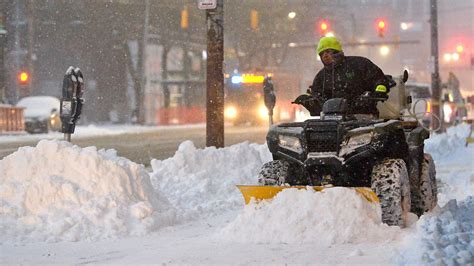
(381, 88)
(310, 103)
(304, 98)
(381, 91)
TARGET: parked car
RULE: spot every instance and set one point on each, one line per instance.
(41, 113)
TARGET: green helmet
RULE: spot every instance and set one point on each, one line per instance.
(329, 43)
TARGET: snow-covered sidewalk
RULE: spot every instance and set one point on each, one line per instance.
(92, 131)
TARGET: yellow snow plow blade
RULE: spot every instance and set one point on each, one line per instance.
(268, 192)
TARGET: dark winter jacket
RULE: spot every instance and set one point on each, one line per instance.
(349, 79)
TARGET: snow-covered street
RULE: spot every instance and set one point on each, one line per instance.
(95, 207)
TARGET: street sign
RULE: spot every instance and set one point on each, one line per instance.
(207, 4)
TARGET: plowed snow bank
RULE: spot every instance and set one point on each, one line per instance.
(442, 146)
(201, 182)
(444, 237)
(336, 215)
(454, 167)
(60, 192)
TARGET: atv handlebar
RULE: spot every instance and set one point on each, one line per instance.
(374, 96)
(305, 98)
(314, 104)
(311, 103)
(367, 96)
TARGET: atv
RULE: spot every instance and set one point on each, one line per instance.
(339, 149)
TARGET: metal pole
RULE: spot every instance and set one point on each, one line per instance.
(3, 41)
(186, 64)
(30, 20)
(143, 79)
(17, 50)
(435, 80)
(215, 76)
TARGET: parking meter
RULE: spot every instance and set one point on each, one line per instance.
(269, 97)
(71, 101)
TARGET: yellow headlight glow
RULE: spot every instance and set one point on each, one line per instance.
(263, 112)
(230, 112)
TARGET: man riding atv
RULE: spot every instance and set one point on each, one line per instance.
(346, 77)
(349, 145)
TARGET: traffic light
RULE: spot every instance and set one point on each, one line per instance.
(381, 26)
(323, 27)
(23, 77)
(24, 83)
(457, 55)
(184, 19)
(254, 19)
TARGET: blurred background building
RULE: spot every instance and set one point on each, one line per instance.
(141, 59)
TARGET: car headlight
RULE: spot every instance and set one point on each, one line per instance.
(290, 143)
(355, 142)
(263, 112)
(230, 112)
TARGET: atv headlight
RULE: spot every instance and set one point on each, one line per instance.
(355, 142)
(290, 143)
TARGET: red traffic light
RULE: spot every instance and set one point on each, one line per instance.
(23, 77)
(323, 27)
(381, 26)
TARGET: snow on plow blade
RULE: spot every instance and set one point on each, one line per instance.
(268, 192)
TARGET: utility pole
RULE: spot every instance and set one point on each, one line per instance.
(30, 56)
(17, 51)
(435, 80)
(142, 67)
(215, 76)
(164, 73)
(3, 41)
(186, 63)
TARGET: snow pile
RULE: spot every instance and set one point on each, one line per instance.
(454, 167)
(455, 175)
(202, 182)
(60, 192)
(444, 237)
(443, 145)
(335, 215)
